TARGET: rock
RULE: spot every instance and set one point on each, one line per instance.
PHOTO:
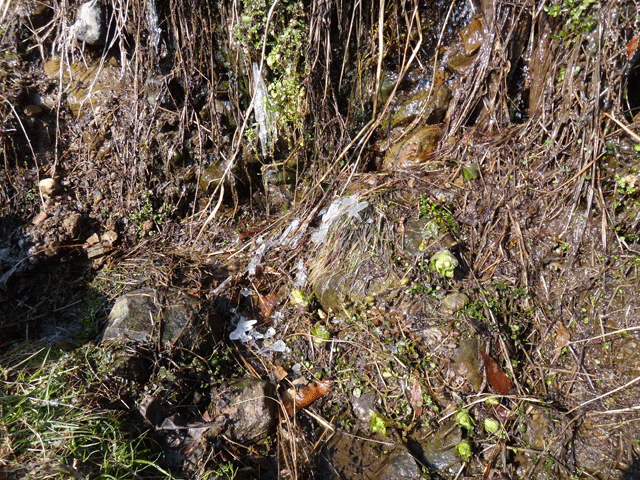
(473, 35)
(135, 316)
(438, 451)
(40, 218)
(97, 250)
(90, 26)
(33, 110)
(49, 187)
(413, 150)
(212, 176)
(466, 364)
(454, 302)
(398, 465)
(250, 409)
(127, 364)
(430, 104)
(97, 197)
(93, 239)
(87, 85)
(109, 237)
(364, 407)
(73, 225)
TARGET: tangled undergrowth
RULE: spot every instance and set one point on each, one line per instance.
(434, 206)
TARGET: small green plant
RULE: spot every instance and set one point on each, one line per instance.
(378, 424)
(320, 333)
(444, 263)
(463, 449)
(32, 194)
(463, 419)
(441, 217)
(285, 40)
(147, 212)
(577, 16)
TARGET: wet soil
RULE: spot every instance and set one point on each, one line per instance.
(156, 175)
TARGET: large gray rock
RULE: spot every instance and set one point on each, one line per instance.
(142, 315)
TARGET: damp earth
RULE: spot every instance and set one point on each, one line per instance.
(319, 239)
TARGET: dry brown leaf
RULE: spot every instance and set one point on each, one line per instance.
(495, 376)
(415, 397)
(295, 400)
(267, 303)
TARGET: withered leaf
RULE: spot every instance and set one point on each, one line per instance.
(267, 303)
(495, 376)
(294, 401)
(415, 397)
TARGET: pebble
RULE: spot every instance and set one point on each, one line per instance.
(32, 110)
(40, 218)
(454, 302)
(49, 187)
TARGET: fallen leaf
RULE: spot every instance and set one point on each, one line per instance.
(295, 400)
(279, 373)
(415, 397)
(267, 303)
(495, 376)
(632, 46)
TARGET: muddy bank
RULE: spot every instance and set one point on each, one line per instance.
(422, 227)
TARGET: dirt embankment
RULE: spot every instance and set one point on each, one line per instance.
(433, 208)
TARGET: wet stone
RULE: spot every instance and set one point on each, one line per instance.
(438, 450)
(363, 407)
(250, 409)
(413, 151)
(33, 110)
(135, 314)
(454, 302)
(466, 364)
(398, 465)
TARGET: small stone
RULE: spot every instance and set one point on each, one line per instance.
(97, 197)
(73, 224)
(93, 239)
(454, 302)
(40, 218)
(110, 237)
(49, 187)
(32, 110)
(249, 405)
(399, 465)
(96, 251)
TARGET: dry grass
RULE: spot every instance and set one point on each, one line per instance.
(547, 233)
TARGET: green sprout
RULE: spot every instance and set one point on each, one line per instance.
(444, 263)
(378, 424)
(463, 449)
(320, 333)
(491, 425)
(463, 419)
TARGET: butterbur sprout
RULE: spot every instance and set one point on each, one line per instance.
(444, 263)
(463, 449)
